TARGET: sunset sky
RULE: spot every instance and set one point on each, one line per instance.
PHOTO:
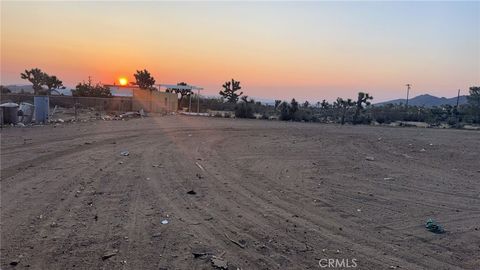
(278, 50)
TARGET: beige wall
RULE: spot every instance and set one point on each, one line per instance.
(154, 101)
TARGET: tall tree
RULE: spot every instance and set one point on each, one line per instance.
(36, 77)
(229, 91)
(363, 98)
(144, 79)
(474, 101)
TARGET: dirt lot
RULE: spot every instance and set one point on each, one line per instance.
(269, 195)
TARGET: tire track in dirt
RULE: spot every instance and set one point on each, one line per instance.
(332, 227)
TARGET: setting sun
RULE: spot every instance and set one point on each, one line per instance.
(123, 81)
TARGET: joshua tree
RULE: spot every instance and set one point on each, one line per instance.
(229, 91)
(284, 108)
(36, 77)
(293, 108)
(306, 104)
(363, 98)
(144, 79)
(39, 78)
(325, 106)
(52, 82)
(474, 101)
(344, 105)
(277, 103)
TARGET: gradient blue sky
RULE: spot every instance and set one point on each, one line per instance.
(278, 50)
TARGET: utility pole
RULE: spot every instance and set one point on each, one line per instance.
(408, 92)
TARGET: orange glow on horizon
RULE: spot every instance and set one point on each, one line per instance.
(123, 81)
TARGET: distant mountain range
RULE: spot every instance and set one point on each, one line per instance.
(427, 101)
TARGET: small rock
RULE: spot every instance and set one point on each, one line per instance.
(219, 263)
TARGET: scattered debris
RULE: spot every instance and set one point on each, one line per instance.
(219, 263)
(125, 153)
(191, 192)
(369, 158)
(240, 243)
(130, 115)
(109, 254)
(199, 166)
(15, 262)
(164, 222)
(433, 226)
(198, 254)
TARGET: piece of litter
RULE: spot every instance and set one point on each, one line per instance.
(433, 226)
(199, 166)
(359, 210)
(423, 150)
(191, 192)
(387, 178)
(125, 153)
(370, 158)
(197, 254)
(164, 221)
(109, 254)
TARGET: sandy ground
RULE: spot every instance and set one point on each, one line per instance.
(269, 195)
